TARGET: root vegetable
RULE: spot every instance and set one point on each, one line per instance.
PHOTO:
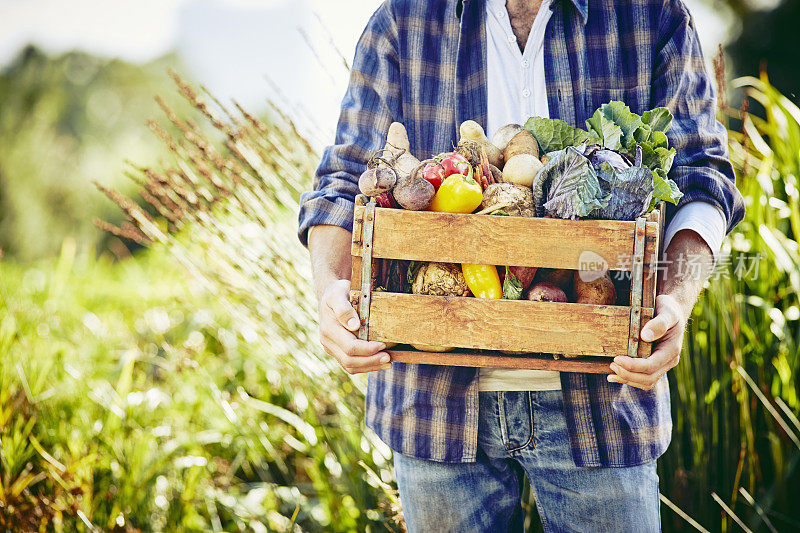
(440, 279)
(516, 200)
(398, 146)
(521, 169)
(497, 175)
(469, 150)
(504, 135)
(414, 193)
(597, 291)
(546, 292)
(397, 136)
(559, 277)
(473, 131)
(376, 181)
(521, 143)
(525, 275)
(386, 200)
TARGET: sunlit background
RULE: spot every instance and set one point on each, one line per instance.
(159, 363)
(234, 47)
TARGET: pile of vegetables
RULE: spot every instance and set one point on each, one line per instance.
(615, 169)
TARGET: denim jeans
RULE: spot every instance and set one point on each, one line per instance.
(525, 433)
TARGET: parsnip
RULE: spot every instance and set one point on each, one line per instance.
(398, 146)
(473, 131)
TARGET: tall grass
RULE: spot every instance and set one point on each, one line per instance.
(199, 401)
(736, 393)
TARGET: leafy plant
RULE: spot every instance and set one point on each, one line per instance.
(736, 396)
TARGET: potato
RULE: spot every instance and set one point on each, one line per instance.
(504, 134)
(599, 291)
(521, 143)
(473, 131)
(546, 292)
(522, 169)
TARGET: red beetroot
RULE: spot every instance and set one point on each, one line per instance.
(546, 292)
(385, 200)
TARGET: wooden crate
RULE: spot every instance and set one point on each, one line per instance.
(588, 334)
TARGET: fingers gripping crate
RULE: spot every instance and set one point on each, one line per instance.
(588, 336)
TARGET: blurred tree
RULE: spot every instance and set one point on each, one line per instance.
(767, 38)
(65, 121)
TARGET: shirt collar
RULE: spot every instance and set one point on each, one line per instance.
(581, 5)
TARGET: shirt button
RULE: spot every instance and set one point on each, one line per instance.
(511, 38)
(500, 12)
(525, 93)
(525, 63)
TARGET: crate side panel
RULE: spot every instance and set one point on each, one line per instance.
(482, 239)
(358, 224)
(652, 252)
(575, 329)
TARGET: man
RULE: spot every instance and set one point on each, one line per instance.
(463, 437)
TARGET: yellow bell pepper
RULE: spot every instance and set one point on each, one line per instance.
(483, 281)
(457, 194)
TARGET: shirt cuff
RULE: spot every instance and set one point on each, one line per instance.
(319, 208)
(705, 219)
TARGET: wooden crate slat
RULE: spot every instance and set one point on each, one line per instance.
(527, 362)
(576, 329)
(495, 240)
(358, 225)
(649, 289)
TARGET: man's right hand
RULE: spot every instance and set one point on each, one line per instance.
(338, 325)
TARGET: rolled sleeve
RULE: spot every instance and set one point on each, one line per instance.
(370, 105)
(707, 220)
(681, 83)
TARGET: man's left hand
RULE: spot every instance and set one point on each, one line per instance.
(679, 290)
(668, 325)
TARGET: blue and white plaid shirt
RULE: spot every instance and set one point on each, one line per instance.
(422, 63)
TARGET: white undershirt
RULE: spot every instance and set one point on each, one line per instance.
(516, 90)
